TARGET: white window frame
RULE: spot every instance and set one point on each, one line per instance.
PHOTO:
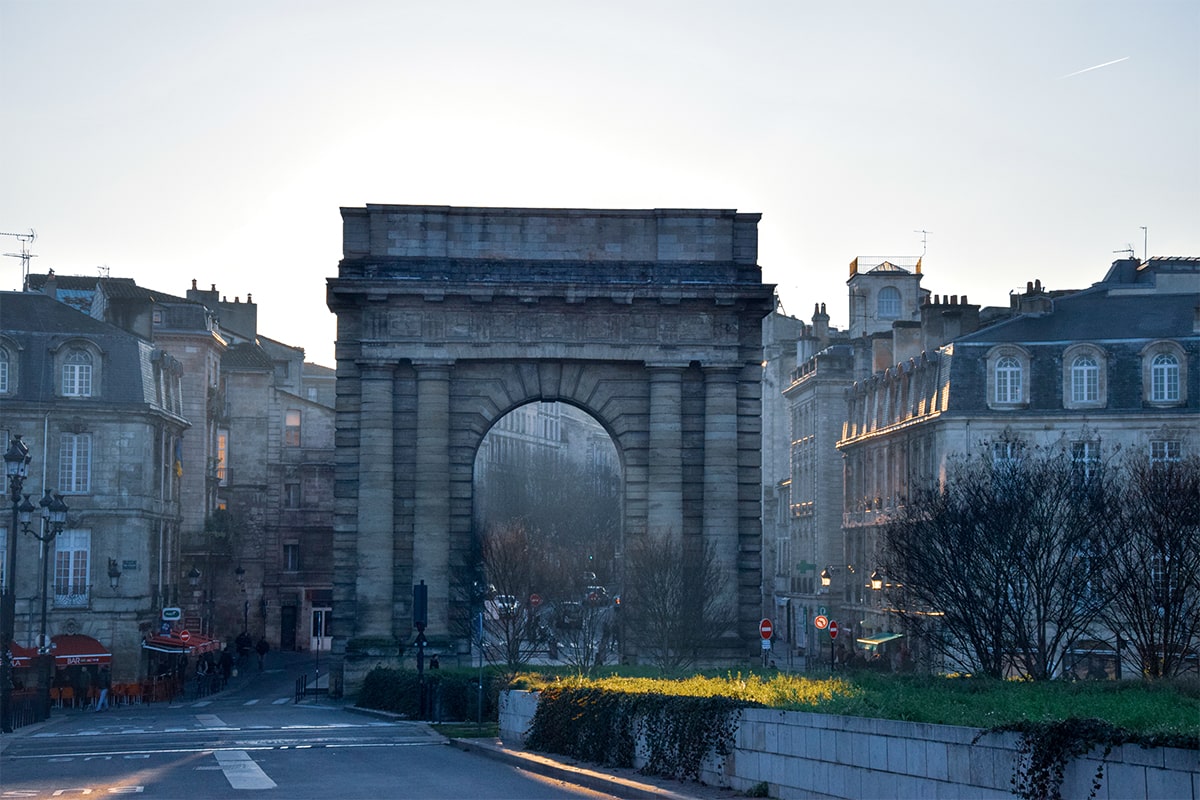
(1085, 379)
(75, 463)
(72, 568)
(77, 373)
(1165, 451)
(889, 304)
(1164, 374)
(1164, 378)
(1009, 376)
(1085, 455)
(4, 362)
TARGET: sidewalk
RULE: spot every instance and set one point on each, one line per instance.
(619, 782)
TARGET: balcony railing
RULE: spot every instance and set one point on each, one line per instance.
(71, 595)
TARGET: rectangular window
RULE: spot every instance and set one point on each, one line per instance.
(312, 393)
(4, 558)
(291, 557)
(291, 495)
(291, 428)
(1086, 457)
(222, 457)
(3, 373)
(72, 550)
(1164, 450)
(75, 463)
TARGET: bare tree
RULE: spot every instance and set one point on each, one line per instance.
(675, 601)
(1007, 552)
(1155, 566)
(511, 634)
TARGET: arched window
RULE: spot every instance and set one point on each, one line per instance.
(77, 374)
(1164, 378)
(3, 371)
(1008, 380)
(888, 303)
(1085, 380)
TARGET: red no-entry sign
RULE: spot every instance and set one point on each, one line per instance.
(833, 629)
(185, 635)
(765, 629)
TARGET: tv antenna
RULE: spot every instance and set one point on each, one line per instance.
(26, 239)
(1127, 250)
(924, 240)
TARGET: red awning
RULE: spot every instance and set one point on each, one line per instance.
(22, 656)
(172, 643)
(75, 648)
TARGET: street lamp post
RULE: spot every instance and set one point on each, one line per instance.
(54, 519)
(16, 467)
(241, 579)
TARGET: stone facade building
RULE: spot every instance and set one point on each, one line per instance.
(252, 475)
(102, 411)
(1112, 366)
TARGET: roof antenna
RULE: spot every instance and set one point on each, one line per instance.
(1128, 250)
(26, 239)
(1145, 240)
(924, 238)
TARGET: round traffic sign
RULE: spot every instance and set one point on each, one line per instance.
(765, 629)
(185, 635)
(833, 629)
(535, 600)
(821, 621)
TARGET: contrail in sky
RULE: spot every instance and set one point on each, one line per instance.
(1098, 66)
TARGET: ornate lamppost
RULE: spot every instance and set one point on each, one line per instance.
(54, 519)
(16, 467)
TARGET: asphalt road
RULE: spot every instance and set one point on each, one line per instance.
(250, 738)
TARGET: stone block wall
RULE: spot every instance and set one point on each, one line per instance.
(804, 755)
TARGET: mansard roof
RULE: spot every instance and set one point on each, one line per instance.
(1096, 314)
(246, 356)
(40, 325)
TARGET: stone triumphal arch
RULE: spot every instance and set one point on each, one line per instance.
(448, 318)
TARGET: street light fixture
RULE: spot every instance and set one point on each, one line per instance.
(54, 519)
(826, 577)
(114, 573)
(16, 467)
(876, 580)
(193, 577)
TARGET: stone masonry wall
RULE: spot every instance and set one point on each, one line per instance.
(804, 755)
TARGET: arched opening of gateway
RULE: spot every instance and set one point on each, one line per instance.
(547, 538)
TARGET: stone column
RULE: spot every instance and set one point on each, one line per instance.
(721, 466)
(431, 512)
(665, 490)
(375, 555)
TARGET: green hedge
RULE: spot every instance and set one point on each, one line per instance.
(603, 727)
(455, 691)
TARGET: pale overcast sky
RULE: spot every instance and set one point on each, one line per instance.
(169, 141)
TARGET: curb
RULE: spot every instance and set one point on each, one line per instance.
(590, 779)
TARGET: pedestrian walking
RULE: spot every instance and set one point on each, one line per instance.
(262, 648)
(105, 684)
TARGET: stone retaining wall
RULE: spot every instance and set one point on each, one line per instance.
(803, 755)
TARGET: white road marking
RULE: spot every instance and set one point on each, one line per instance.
(210, 721)
(250, 702)
(281, 701)
(241, 771)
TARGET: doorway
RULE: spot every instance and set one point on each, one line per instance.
(321, 638)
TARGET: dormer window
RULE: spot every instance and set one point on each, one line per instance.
(1164, 374)
(1164, 378)
(77, 373)
(1008, 380)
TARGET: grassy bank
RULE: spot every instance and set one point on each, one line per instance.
(1170, 710)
